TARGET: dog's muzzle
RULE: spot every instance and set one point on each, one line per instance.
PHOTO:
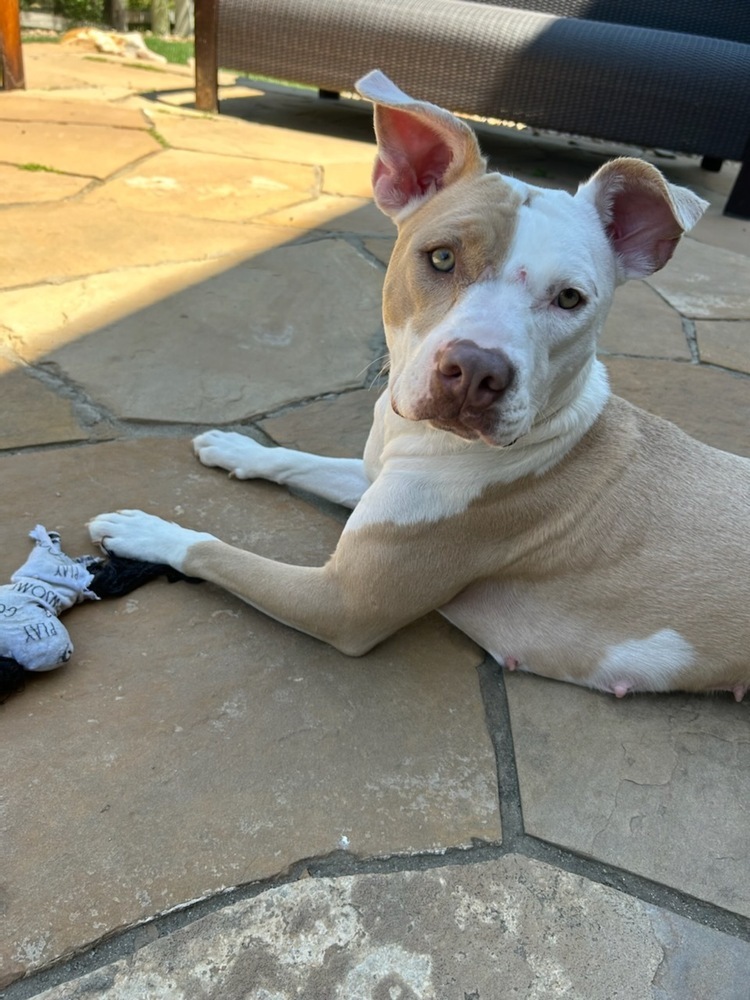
(467, 383)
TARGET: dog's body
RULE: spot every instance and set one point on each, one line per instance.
(567, 532)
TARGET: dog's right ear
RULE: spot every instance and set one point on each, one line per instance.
(421, 147)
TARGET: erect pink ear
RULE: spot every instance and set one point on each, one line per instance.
(644, 216)
(421, 148)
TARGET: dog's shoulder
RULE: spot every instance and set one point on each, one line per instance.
(653, 465)
(656, 437)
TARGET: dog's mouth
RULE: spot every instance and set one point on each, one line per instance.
(468, 425)
(470, 432)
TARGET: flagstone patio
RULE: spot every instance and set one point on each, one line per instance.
(204, 803)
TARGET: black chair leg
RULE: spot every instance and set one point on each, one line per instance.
(738, 203)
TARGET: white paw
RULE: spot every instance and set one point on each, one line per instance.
(239, 454)
(137, 535)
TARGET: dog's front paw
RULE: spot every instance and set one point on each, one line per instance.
(239, 454)
(137, 535)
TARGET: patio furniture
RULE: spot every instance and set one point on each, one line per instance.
(11, 58)
(673, 74)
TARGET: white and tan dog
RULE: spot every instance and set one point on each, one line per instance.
(566, 531)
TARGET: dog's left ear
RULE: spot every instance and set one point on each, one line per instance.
(421, 147)
(643, 215)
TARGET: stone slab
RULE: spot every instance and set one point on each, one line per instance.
(255, 338)
(706, 282)
(641, 323)
(725, 343)
(656, 784)
(32, 413)
(35, 324)
(337, 427)
(349, 178)
(56, 67)
(229, 136)
(332, 213)
(77, 91)
(96, 240)
(206, 186)
(27, 107)
(183, 101)
(509, 928)
(720, 230)
(300, 110)
(191, 743)
(18, 186)
(711, 405)
(381, 247)
(86, 150)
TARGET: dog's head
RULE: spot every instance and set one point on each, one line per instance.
(496, 290)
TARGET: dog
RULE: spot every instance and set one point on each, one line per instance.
(569, 533)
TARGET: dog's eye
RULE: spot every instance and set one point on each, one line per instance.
(569, 298)
(443, 259)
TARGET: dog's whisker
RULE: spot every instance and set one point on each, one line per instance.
(380, 375)
(385, 362)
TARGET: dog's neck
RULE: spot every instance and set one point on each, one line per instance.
(556, 433)
(551, 437)
(423, 474)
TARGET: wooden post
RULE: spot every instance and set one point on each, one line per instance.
(11, 57)
(206, 59)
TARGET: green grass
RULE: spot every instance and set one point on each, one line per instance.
(156, 134)
(31, 36)
(36, 167)
(173, 50)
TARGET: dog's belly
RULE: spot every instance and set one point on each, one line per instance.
(524, 627)
(517, 626)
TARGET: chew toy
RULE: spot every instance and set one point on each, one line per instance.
(32, 638)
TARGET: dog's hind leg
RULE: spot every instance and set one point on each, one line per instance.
(341, 480)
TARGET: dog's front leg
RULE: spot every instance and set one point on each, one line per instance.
(341, 480)
(376, 581)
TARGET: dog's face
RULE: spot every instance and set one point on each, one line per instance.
(494, 298)
(496, 290)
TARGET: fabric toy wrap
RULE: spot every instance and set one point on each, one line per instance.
(48, 583)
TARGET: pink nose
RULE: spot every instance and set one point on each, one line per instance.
(469, 377)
